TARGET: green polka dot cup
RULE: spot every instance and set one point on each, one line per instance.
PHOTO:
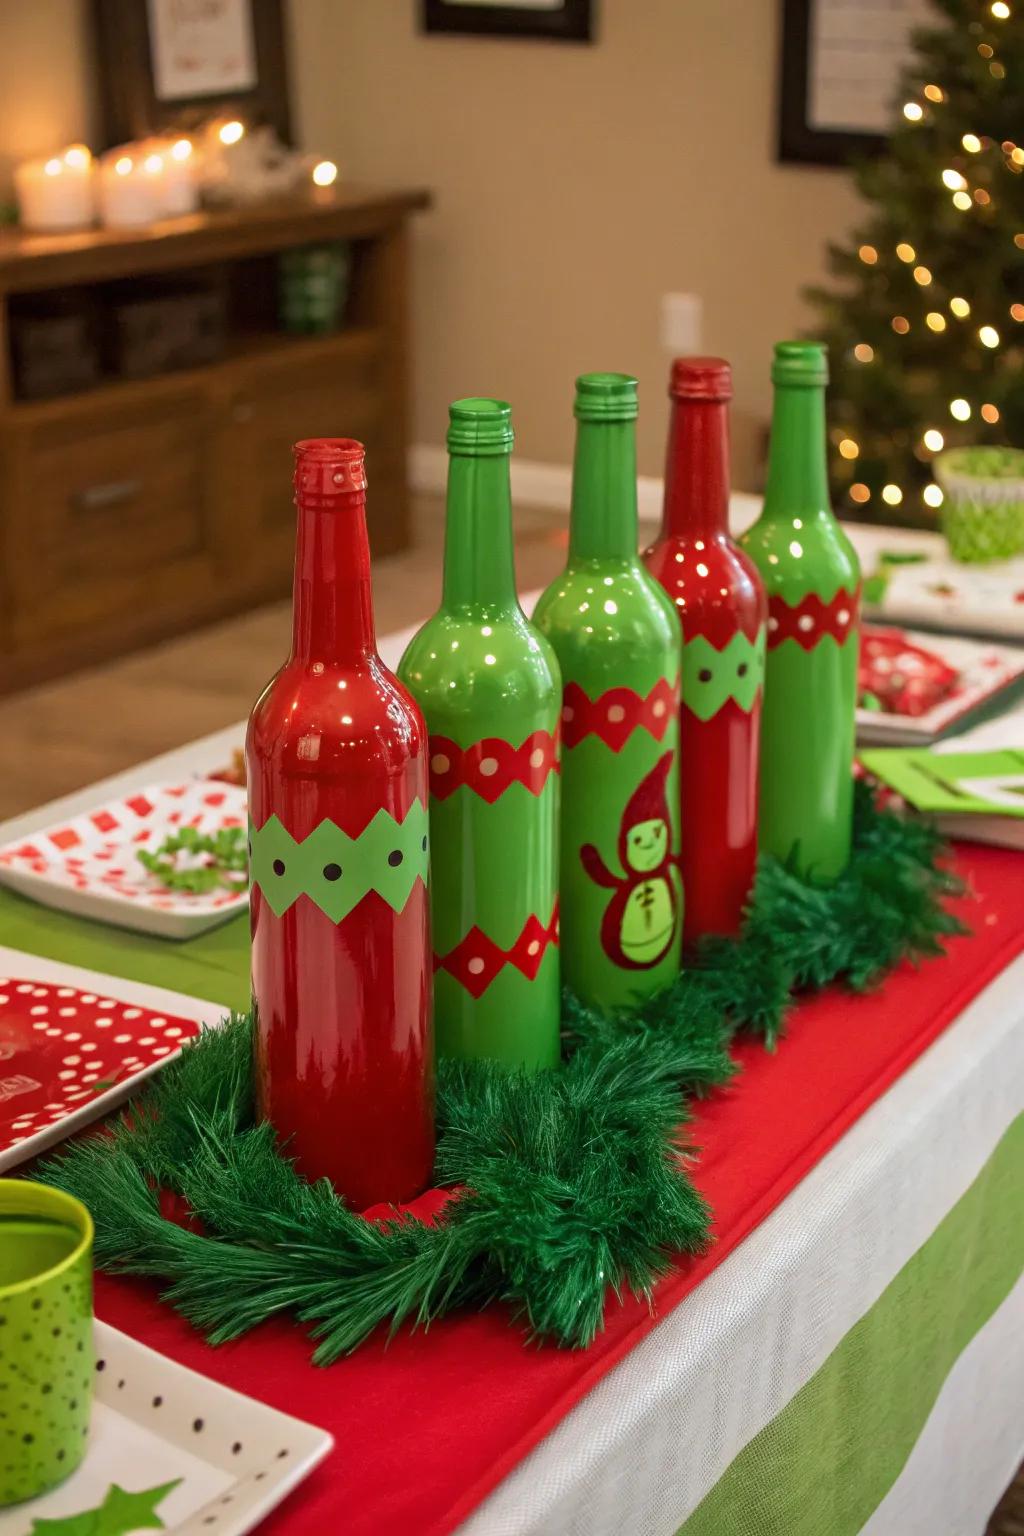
(46, 1350)
(983, 502)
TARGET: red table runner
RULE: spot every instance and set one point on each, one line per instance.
(426, 1426)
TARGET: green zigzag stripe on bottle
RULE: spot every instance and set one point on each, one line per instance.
(711, 678)
(336, 871)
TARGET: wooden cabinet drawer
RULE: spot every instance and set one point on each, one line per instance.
(112, 512)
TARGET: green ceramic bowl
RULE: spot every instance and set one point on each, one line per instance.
(46, 1349)
(983, 502)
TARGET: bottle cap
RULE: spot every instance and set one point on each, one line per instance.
(327, 468)
(700, 378)
(480, 428)
(800, 362)
(605, 397)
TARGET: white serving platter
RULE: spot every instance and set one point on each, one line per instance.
(228, 1458)
(87, 864)
(76, 1044)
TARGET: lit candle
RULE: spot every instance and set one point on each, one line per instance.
(131, 187)
(180, 188)
(57, 193)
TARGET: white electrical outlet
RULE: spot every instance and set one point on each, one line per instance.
(681, 315)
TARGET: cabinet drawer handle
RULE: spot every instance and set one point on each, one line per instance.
(110, 494)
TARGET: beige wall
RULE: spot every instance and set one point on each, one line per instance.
(574, 186)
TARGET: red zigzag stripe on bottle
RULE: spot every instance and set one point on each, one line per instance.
(617, 713)
(476, 960)
(811, 619)
(490, 766)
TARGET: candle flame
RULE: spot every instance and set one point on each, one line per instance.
(53, 168)
(153, 164)
(181, 149)
(124, 165)
(231, 132)
(325, 173)
(77, 155)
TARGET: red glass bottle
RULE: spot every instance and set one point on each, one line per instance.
(337, 768)
(721, 604)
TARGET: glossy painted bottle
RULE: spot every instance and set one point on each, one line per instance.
(617, 642)
(812, 577)
(489, 688)
(336, 758)
(721, 604)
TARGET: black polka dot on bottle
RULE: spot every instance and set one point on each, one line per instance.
(423, 845)
(704, 675)
(278, 866)
(332, 871)
(395, 857)
(741, 670)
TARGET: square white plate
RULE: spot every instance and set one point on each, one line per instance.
(155, 1422)
(88, 864)
(68, 1020)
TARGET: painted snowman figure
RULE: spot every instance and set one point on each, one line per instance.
(641, 920)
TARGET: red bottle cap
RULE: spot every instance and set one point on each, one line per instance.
(700, 378)
(328, 468)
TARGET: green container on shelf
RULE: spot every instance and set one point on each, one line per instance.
(983, 502)
(313, 285)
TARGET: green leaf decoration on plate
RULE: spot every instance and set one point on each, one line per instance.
(120, 1514)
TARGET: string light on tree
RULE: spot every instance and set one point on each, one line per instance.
(960, 307)
(934, 93)
(913, 111)
(906, 252)
(953, 180)
(962, 200)
(935, 321)
(864, 352)
(932, 496)
(892, 495)
(971, 143)
(988, 336)
(990, 413)
(959, 409)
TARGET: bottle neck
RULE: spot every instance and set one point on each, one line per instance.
(332, 609)
(603, 523)
(478, 560)
(697, 470)
(797, 464)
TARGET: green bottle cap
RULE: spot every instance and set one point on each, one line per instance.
(800, 362)
(605, 397)
(480, 428)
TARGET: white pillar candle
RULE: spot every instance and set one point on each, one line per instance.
(131, 187)
(58, 193)
(180, 185)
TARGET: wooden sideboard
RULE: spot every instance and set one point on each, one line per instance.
(137, 508)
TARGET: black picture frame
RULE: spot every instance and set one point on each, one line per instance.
(797, 142)
(129, 105)
(571, 22)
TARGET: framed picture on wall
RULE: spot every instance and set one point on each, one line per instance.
(840, 70)
(558, 20)
(172, 63)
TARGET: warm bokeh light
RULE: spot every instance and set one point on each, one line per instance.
(962, 200)
(864, 353)
(153, 164)
(232, 132)
(1018, 241)
(932, 495)
(934, 321)
(960, 307)
(892, 495)
(124, 165)
(859, 492)
(78, 155)
(181, 149)
(981, 196)
(934, 440)
(848, 448)
(971, 143)
(960, 409)
(986, 50)
(922, 276)
(988, 336)
(900, 324)
(934, 92)
(325, 173)
(990, 413)
(1000, 10)
(906, 252)
(953, 180)
(1017, 311)
(913, 111)
(868, 254)
(52, 168)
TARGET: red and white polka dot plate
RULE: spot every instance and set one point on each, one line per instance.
(73, 1044)
(88, 865)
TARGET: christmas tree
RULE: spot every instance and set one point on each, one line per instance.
(926, 327)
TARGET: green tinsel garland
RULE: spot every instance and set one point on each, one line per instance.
(571, 1181)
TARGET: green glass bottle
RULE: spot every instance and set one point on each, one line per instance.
(812, 578)
(489, 688)
(618, 644)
